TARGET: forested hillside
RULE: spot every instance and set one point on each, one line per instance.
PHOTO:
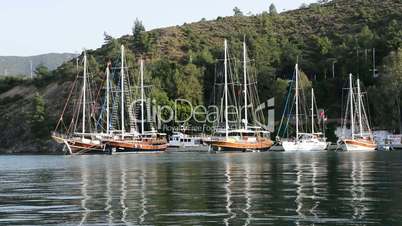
(328, 40)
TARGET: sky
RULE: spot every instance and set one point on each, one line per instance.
(32, 27)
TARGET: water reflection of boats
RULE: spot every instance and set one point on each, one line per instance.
(228, 193)
(315, 190)
(133, 201)
(144, 201)
(247, 184)
(299, 192)
(309, 191)
(85, 174)
(123, 191)
(108, 193)
(357, 190)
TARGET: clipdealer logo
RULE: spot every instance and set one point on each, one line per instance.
(183, 112)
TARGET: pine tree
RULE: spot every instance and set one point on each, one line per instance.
(107, 38)
(41, 71)
(138, 34)
(237, 11)
(394, 35)
(272, 9)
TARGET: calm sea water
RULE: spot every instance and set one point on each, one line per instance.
(203, 189)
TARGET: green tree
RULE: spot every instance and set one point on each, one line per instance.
(237, 11)
(107, 38)
(66, 71)
(366, 38)
(394, 35)
(38, 120)
(41, 71)
(303, 6)
(204, 57)
(392, 80)
(165, 72)
(138, 34)
(111, 50)
(324, 44)
(272, 10)
(42, 75)
(387, 94)
(189, 85)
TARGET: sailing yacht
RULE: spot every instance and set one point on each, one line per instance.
(303, 141)
(133, 141)
(361, 138)
(77, 140)
(246, 138)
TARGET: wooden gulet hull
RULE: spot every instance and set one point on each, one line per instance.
(83, 148)
(242, 146)
(77, 147)
(358, 145)
(135, 146)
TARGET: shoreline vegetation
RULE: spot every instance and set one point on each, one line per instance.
(329, 40)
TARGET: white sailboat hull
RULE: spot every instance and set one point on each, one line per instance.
(304, 145)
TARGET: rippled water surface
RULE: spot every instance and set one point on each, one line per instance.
(203, 189)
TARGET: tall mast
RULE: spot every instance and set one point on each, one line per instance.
(226, 92)
(84, 87)
(245, 85)
(359, 99)
(107, 99)
(312, 110)
(297, 102)
(352, 120)
(122, 90)
(142, 96)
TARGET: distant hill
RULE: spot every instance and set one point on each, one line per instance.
(16, 65)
